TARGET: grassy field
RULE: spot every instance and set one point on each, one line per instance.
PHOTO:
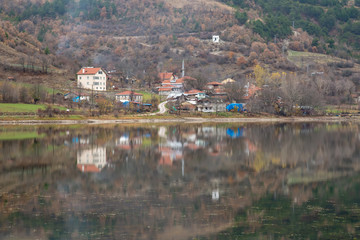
(147, 96)
(301, 59)
(21, 107)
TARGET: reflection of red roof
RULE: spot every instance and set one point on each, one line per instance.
(125, 147)
(167, 154)
(88, 168)
(193, 92)
(192, 146)
(165, 76)
(214, 83)
(165, 160)
(128, 93)
(88, 71)
(251, 146)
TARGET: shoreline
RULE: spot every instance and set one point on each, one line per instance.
(185, 120)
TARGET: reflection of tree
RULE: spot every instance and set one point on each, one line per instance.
(332, 213)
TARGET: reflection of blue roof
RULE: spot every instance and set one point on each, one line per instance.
(239, 106)
(237, 134)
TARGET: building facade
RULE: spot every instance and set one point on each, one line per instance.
(129, 96)
(92, 78)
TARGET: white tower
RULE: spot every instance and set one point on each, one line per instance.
(183, 69)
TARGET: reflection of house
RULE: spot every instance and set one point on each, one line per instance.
(170, 152)
(129, 96)
(92, 78)
(127, 143)
(91, 160)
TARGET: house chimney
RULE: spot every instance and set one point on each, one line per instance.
(83, 70)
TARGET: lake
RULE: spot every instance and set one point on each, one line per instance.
(180, 181)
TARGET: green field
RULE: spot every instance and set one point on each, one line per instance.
(22, 107)
(147, 96)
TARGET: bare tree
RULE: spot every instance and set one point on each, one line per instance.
(235, 91)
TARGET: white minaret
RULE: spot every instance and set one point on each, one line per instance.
(183, 69)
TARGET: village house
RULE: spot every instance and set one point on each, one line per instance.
(216, 90)
(213, 85)
(77, 97)
(129, 96)
(165, 76)
(211, 105)
(195, 94)
(92, 78)
(250, 90)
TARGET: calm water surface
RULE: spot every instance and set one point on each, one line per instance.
(187, 181)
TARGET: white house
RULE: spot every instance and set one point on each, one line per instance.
(92, 78)
(130, 96)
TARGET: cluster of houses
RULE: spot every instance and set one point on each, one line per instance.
(212, 98)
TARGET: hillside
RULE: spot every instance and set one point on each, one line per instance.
(140, 38)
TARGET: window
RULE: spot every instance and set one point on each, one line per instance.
(96, 78)
(80, 78)
(96, 83)
(96, 87)
(100, 72)
(88, 83)
(87, 77)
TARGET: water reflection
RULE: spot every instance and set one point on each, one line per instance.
(225, 181)
(91, 160)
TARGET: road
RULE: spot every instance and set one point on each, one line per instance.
(162, 109)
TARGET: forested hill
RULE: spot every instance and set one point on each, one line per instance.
(145, 36)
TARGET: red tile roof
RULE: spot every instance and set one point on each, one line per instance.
(164, 89)
(193, 92)
(128, 93)
(165, 76)
(177, 81)
(88, 71)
